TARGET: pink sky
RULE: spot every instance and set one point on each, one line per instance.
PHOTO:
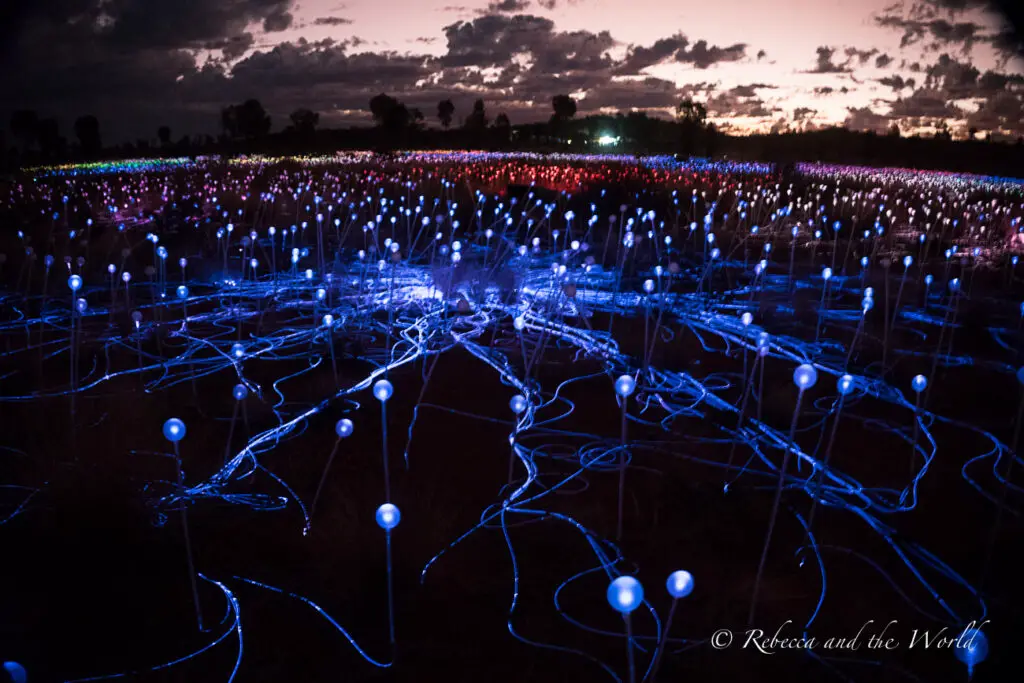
(789, 32)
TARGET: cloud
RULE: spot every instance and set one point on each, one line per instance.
(507, 6)
(896, 82)
(677, 48)
(863, 118)
(824, 63)
(882, 61)
(332, 21)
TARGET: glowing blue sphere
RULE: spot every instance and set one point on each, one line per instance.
(679, 584)
(845, 385)
(182, 292)
(919, 383)
(929, 279)
(648, 286)
(746, 318)
(174, 430)
(805, 376)
(518, 404)
(126, 276)
(81, 305)
(382, 390)
(519, 323)
(907, 260)
(240, 392)
(864, 262)
(16, 672)
(388, 516)
(237, 350)
(826, 274)
(343, 428)
(625, 594)
(971, 648)
(75, 283)
(625, 385)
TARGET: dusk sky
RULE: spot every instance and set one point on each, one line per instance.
(137, 64)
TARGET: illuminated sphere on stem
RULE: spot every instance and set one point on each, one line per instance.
(174, 430)
(388, 516)
(971, 648)
(240, 392)
(746, 318)
(382, 390)
(517, 404)
(679, 584)
(625, 594)
(237, 350)
(182, 292)
(805, 376)
(625, 385)
(343, 428)
(75, 283)
(845, 385)
(919, 383)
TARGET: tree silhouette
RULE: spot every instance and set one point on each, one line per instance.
(48, 136)
(389, 113)
(24, 126)
(502, 128)
(253, 120)
(445, 112)
(692, 117)
(163, 134)
(563, 107)
(415, 118)
(972, 133)
(305, 121)
(477, 119)
(246, 120)
(894, 131)
(87, 130)
(229, 121)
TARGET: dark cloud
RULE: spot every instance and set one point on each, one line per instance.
(738, 101)
(882, 61)
(862, 56)
(897, 82)
(864, 118)
(507, 6)
(332, 21)
(677, 48)
(824, 63)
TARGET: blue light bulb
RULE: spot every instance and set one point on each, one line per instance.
(237, 350)
(971, 649)
(805, 376)
(625, 594)
(182, 292)
(388, 516)
(240, 392)
(845, 385)
(174, 430)
(343, 428)
(382, 390)
(919, 383)
(679, 584)
(625, 385)
(746, 318)
(75, 283)
(517, 404)
(16, 672)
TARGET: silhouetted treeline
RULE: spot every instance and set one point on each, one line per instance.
(245, 129)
